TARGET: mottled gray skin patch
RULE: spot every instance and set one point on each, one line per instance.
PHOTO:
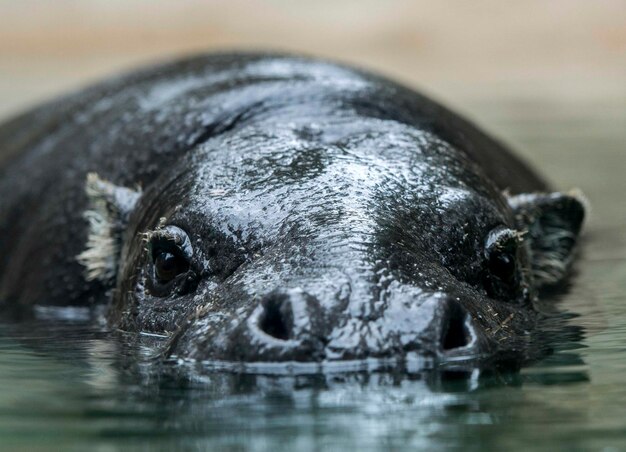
(327, 214)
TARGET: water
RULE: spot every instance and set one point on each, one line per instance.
(67, 384)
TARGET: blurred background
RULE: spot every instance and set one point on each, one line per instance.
(484, 57)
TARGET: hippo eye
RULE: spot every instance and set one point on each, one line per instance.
(501, 261)
(170, 252)
(168, 266)
(502, 265)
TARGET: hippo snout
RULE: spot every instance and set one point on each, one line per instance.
(294, 325)
(293, 321)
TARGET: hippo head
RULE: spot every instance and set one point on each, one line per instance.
(328, 243)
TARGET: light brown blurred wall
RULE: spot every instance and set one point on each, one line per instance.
(467, 53)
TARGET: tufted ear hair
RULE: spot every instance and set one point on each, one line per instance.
(108, 209)
(552, 222)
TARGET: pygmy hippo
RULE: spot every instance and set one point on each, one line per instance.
(272, 208)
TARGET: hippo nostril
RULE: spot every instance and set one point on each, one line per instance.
(276, 319)
(455, 329)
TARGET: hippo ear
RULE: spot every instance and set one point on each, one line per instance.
(108, 209)
(552, 222)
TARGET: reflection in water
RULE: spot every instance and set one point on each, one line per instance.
(77, 384)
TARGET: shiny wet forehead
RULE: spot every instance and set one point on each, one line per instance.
(373, 157)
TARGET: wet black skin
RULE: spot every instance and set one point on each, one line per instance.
(291, 210)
